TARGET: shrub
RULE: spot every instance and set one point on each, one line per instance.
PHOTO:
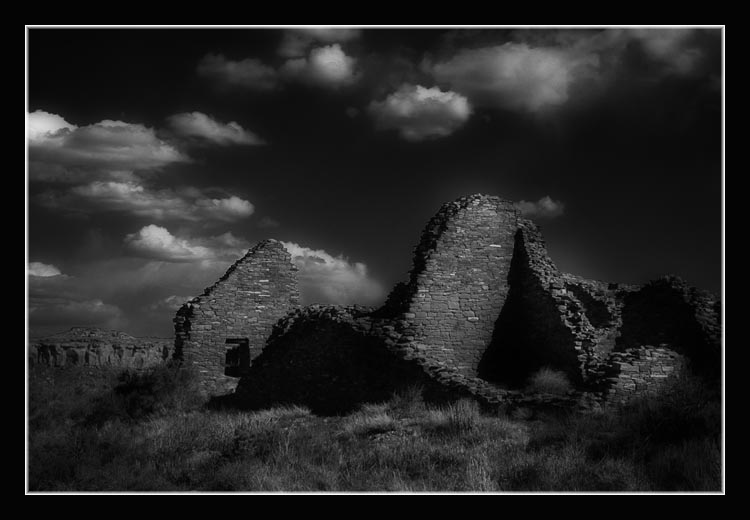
(457, 418)
(140, 394)
(548, 381)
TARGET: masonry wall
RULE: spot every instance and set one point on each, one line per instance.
(668, 311)
(643, 371)
(459, 281)
(254, 293)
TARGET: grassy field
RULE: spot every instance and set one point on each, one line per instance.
(97, 431)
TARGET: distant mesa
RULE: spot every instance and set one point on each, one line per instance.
(92, 347)
(483, 310)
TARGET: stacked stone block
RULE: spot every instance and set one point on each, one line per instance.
(642, 371)
(255, 293)
(459, 281)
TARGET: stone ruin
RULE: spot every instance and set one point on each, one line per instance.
(484, 308)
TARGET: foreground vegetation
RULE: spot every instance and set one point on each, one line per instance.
(96, 430)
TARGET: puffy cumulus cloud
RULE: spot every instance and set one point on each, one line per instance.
(47, 316)
(327, 66)
(63, 152)
(41, 270)
(420, 113)
(514, 75)
(325, 278)
(156, 242)
(543, 208)
(249, 73)
(197, 125)
(296, 41)
(133, 198)
(42, 125)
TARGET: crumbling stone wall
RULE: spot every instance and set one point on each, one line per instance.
(642, 371)
(669, 311)
(484, 308)
(82, 346)
(252, 295)
(327, 358)
(459, 281)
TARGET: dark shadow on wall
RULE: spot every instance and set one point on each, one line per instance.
(596, 311)
(662, 313)
(327, 366)
(529, 333)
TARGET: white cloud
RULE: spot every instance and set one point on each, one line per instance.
(324, 278)
(543, 208)
(543, 68)
(199, 125)
(158, 243)
(227, 209)
(420, 113)
(63, 152)
(327, 66)
(42, 125)
(297, 41)
(43, 270)
(133, 198)
(248, 73)
(514, 75)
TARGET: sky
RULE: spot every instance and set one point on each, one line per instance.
(157, 157)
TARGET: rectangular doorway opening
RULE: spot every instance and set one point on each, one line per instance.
(237, 361)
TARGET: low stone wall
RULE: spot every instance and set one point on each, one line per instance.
(326, 358)
(91, 347)
(639, 372)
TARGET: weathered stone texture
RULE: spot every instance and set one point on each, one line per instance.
(82, 346)
(254, 293)
(459, 281)
(642, 371)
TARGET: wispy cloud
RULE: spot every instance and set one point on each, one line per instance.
(543, 208)
(42, 270)
(201, 127)
(135, 199)
(248, 73)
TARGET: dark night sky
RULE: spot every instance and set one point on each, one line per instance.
(156, 157)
